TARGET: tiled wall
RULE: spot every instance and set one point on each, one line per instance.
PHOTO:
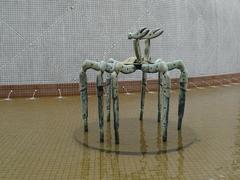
(46, 41)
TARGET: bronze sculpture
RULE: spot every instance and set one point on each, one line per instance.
(130, 65)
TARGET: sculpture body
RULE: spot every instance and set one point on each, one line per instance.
(130, 65)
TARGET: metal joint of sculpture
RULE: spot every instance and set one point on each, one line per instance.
(130, 65)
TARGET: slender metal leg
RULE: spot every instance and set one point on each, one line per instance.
(182, 97)
(137, 50)
(115, 106)
(84, 98)
(108, 98)
(144, 83)
(100, 104)
(165, 106)
(159, 96)
(147, 57)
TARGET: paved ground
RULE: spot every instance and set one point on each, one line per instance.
(37, 140)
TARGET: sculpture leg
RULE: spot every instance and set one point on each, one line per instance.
(84, 98)
(115, 106)
(182, 97)
(108, 98)
(99, 84)
(144, 83)
(159, 96)
(178, 64)
(165, 106)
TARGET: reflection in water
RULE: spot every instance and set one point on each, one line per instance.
(159, 137)
(109, 162)
(115, 165)
(152, 157)
(162, 159)
(162, 165)
(106, 162)
(137, 138)
(143, 144)
(86, 161)
(236, 156)
(181, 156)
(108, 135)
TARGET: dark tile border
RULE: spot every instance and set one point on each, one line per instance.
(69, 89)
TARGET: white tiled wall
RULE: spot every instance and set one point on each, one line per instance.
(46, 41)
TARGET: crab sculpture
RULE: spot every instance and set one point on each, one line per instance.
(130, 65)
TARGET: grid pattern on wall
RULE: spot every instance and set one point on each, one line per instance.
(46, 41)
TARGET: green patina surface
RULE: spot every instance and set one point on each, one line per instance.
(143, 90)
(99, 85)
(115, 105)
(108, 98)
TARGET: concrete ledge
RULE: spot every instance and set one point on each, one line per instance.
(69, 89)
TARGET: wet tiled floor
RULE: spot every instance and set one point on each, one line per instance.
(37, 139)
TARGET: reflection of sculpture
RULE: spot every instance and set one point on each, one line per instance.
(130, 65)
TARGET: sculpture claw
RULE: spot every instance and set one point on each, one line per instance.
(141, 30)
(154, 31)
(153, 34)
(139, 34)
